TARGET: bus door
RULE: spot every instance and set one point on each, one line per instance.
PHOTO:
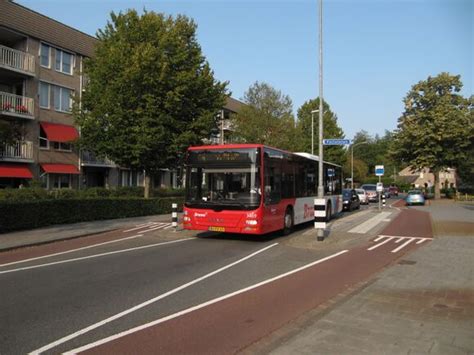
(273, 215)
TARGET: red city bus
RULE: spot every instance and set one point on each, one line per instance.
(254, 189)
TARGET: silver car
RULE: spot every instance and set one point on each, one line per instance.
(364, 199)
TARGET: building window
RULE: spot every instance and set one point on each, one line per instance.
(62, 99)
(62, 146)
(125, 177)
(44, 95)
(60, 181)
(43, 140)
(64, 62)
(45, 55)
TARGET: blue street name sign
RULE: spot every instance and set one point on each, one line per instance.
(336, 141)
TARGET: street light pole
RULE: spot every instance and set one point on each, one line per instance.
(352, 162)
(320, 173)
(320, 231)
(312, 130)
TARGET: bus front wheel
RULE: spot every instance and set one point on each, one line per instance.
(288, 221)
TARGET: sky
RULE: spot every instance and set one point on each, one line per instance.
(374, 51)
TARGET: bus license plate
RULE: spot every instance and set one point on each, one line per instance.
(217, 229)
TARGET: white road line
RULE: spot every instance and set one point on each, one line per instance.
(399, 240)
(369, 224)
(202, 305)
(400, 236)
(168, 227)
(146, 225)
(380, 244)
(93, 256)
(72, 250)
(146, 303)
(422, 240)
(153, 229)
(403, 245)
(379, 237)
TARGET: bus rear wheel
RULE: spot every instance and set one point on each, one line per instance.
(288, 221)
(328, 212)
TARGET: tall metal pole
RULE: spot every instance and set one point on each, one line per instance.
(222, 126)
(320, 231)
(312, 132)
(321, 156)
(352, 166)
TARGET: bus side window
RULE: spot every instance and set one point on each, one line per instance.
(272, 181)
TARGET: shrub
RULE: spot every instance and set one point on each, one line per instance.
(17, 215)
(26, 194)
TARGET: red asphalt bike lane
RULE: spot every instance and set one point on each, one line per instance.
(232, 324)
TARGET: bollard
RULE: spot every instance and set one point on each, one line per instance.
(174, 216)
(383, 200)
(320, 217)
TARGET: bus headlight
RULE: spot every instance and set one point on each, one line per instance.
(251, 222)
(186, 219)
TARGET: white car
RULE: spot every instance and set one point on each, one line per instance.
(364, 199)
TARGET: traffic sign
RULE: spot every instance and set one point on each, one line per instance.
(379, 170)
(331, 172)
(336, 141)
(379, 187)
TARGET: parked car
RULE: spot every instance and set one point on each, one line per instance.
(415, 197)
(363, 198)
(371, 190)
(350, 200)
(393, 190)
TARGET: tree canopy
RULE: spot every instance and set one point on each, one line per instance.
(266, 118)
(150, 92)
(331, 129)
(435, 130)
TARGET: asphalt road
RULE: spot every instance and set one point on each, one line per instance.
(63, 302)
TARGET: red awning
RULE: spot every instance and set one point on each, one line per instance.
(60, 169)
(59, 132)
(15, 171)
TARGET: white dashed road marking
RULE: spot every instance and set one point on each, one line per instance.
(398, 240)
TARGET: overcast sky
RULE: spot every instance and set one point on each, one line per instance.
(374, 50)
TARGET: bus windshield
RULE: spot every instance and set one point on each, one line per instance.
(223, 178)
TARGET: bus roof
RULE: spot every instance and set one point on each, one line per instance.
(250, 145)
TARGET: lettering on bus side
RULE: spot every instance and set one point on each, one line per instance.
(200, 214)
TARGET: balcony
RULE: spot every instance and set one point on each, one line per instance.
(16, 106)
(18, 152)
(90, 159)
(18, 61)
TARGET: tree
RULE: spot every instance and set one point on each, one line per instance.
(360, 169)
(266, 118)
(150, 92)
(435, 130)
(9, 132)
(331, 129)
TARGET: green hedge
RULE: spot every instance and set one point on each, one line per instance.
(38, 193)
(17, 215)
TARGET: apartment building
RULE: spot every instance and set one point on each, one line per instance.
(41, 64)
(41, 69)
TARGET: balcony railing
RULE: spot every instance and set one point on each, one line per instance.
(17, 60)
(22, 151)
(90, 159)
(15, 105)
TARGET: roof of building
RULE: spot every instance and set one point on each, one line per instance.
(233, 104)
(34, 24)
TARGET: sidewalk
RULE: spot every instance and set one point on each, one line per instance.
(424, 304)
(68, 231)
